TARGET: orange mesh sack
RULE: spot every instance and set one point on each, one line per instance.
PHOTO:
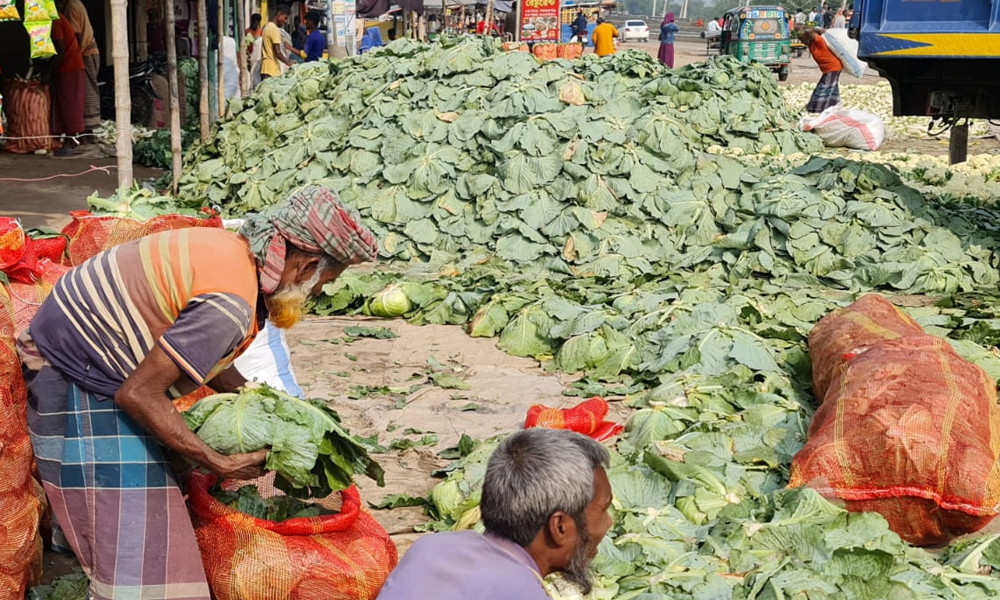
(570, 51)
(20, 502)
(28, 297)
(849, 331)
(586, 418)
(28, 106)
(907, 429)
(343, 556)
(90, 234)
(546, 51)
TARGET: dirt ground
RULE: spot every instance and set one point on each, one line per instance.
(41, 190)
(501, 389)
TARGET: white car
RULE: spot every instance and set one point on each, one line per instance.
(634, 30)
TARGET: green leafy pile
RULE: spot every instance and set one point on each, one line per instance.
(248, 500)
(153, 150)
(140, 204)
(443, 138)
(188, 69)
(312, 454)
(638, 227)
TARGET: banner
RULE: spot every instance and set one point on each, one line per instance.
(344, 15)
(540, 21)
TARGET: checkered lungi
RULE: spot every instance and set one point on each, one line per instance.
(113, 493)
(826, 94)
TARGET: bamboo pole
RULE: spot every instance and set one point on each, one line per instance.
(221, 28)
(175, 105)
(203, 68)
(241, 51)
(489, 17)
(123, 96)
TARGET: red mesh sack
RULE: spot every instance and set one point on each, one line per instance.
(20, 501)
(184, 403)
(846, 332)
(546, 51)
(37, 253)
(90, 234)
(908, 429)
(343, 556)
(570, 51)
(586, 418)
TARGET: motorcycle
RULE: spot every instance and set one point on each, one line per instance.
(140, 77)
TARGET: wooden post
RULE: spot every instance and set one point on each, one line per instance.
(221, 28)
(175, 106)
(958, 142)
(489, 17)
(203, 68)
(520, 13)
(123, 96)
(241, 51)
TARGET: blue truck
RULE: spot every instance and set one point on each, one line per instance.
(942, 58)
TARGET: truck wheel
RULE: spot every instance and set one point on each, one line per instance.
(783, 74)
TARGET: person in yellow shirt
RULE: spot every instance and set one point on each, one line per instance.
(604, 38)
(273, 47)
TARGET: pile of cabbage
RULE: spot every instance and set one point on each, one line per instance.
(666, 236)
(421, 131)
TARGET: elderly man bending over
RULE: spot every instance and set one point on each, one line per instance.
(135, 325)
(545, 506)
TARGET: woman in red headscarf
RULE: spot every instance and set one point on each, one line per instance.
(667, 31)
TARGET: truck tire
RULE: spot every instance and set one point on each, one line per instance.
(783, 74)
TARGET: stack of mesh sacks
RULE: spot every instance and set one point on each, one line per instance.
(22, 500)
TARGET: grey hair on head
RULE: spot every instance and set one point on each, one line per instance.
(534, 473)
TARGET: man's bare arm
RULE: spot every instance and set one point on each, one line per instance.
(143, 396)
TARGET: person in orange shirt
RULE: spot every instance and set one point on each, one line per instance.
(827, 92)
(604, 38)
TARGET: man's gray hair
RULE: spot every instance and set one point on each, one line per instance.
(534, 473)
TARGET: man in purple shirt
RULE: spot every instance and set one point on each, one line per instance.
(545, 507)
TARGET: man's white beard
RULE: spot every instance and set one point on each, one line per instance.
(287, 305)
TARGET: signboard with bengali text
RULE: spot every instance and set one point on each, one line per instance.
(540, 21)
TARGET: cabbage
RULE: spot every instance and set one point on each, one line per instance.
(312, 454)
(390, 302)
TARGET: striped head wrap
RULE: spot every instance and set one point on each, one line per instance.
(313, 220)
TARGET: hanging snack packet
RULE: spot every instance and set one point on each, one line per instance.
(8, 11)
(40, 33)
(40, 10)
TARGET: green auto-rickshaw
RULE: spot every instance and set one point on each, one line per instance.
(758, 34)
